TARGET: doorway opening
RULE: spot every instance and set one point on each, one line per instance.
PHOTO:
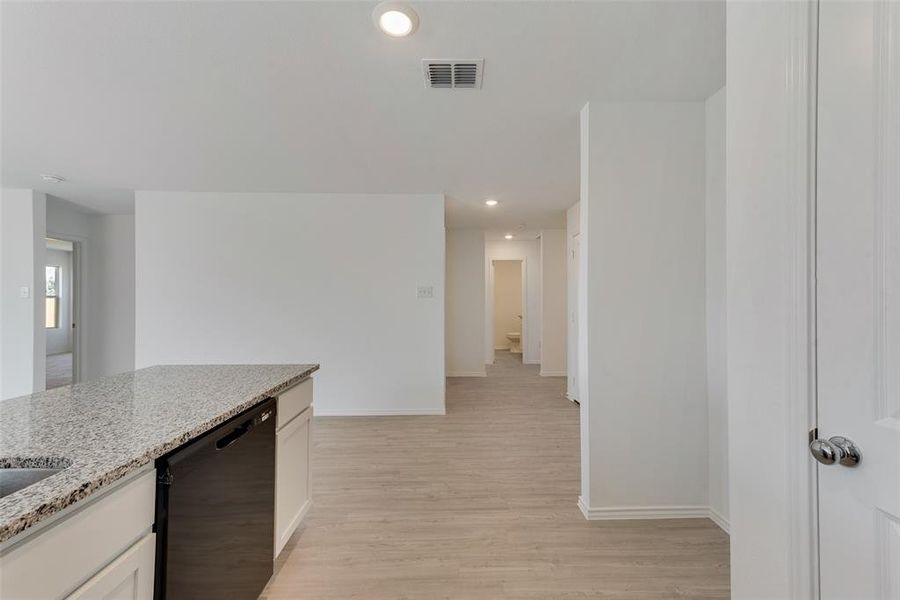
(508, 277)
(60, 289)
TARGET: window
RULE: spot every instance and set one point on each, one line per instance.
(52, 317)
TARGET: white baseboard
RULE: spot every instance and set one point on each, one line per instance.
(530, 362)
(466, 374)
(717, 518)
(501, 347)
(407, 412)
(553, 373)
(623, 513)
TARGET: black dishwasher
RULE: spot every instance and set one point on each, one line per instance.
(215, 511)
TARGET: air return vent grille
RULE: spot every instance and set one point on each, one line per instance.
(453, 74)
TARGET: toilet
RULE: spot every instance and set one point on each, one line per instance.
(515, 342)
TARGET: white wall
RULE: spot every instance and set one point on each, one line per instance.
(59, 339)
(768, 141)
(299, 278)
(23, 215)
(642, 230)
(715, 308)
(572, 240)
(508, 294)
(530, 252)
(105, 337)
(465, 303)
(553, 302)
(65, 220)
(112, 347)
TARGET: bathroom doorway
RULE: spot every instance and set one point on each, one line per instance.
(61, 312)
(508, 277)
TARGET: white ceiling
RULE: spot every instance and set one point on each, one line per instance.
(310, 97)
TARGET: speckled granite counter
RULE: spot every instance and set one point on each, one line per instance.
(107, 428)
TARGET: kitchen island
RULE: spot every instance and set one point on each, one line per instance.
(106, 434)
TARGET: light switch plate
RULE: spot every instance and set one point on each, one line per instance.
(24, 292)
(425, 291)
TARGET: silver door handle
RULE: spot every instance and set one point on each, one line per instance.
(836, 449)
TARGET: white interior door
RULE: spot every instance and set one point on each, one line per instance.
(858, 296)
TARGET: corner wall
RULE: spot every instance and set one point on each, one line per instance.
(465, 327)
(113, 340)
(23, 215)
(715, 309)
(299, 278)
(643, 373)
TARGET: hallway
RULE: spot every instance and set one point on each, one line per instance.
(480, 503)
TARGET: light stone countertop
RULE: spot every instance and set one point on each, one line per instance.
(110, 427)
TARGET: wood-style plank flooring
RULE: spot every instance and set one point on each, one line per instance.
(480, 504)
(59, 370)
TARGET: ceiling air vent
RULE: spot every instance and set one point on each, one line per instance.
(450, 74)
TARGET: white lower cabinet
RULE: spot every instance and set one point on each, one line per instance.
(292, 466)
(91, 550)
(129, 577)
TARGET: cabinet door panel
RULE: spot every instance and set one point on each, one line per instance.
(129, 577)
(292, 482)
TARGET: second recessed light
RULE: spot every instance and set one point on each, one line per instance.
(491, 202)
(508, 236)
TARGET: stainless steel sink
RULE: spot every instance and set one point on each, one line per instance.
(13, 479)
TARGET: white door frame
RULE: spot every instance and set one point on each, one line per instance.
(771, 170)
(802, 86)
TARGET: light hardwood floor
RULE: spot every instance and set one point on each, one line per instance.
(480, 504)
(59, 370)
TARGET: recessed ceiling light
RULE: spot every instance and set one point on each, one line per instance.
(491, 202)
(508, 236)
(395, 19)
(52, 178)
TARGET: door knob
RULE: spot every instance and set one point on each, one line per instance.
(823, 451)
(836, 449)
(850, 454)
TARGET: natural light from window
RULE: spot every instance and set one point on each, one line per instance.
(51, 320)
